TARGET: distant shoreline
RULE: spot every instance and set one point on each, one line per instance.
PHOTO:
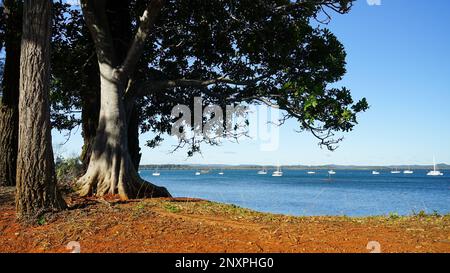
(287, 167)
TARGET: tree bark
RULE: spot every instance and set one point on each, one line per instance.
(133, 137)
(90, 97)
(8, 145)
(9, 114)
(36, 192)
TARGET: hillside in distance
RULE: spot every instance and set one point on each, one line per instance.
(286, 167)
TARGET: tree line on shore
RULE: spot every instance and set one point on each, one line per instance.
(118, 68)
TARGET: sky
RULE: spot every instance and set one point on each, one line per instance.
(398, 58)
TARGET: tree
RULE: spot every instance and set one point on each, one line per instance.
(75, 75)
(9, 115)
(36, 182)
(111, 169)
(223, 51)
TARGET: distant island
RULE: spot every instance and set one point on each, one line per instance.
(286, 167)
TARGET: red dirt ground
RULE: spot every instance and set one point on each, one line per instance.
(186, 225)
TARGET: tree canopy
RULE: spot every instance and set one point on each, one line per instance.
(257, 52)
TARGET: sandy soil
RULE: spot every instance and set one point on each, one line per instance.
(186, 225)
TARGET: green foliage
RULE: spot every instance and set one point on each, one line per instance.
(139, 209)
(171, 208)
(68, 170)
(140, 206)
(423, 214)
(436, 214)
(270, 44)
(394, 216)
(72, 53)
(42, 221)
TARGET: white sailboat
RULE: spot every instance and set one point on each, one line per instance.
(278, 172)
(156, 173)
(434, 172)
(221, 173)
(331, 172)
(262, 172)
(408, 171)
(375, 172)
(311, 172)
(198, 173)
(396, 171)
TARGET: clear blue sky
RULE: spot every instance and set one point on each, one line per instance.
(399, 59)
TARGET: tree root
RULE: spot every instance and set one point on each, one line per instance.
(128, 185)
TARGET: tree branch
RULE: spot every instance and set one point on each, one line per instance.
(339, 6)
(325, 136)
(97, 22)
(195, 83)
(147, 21)
(152, 86)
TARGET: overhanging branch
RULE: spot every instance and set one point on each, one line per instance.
(159, 85)
(155, 86)
(339, 6)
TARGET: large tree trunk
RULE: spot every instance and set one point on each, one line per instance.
(9, 114)
(119, 19)
(111, 170)
(118, 14)
(36, 184)
(90, 97)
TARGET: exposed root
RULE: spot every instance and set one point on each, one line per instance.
(128, 184)
(139, 188)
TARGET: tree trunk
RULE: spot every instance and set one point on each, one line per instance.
(119, 20)
(111, 169)
(36, 192)
(90, 97)
(133, 137)
(9, 114)
(8, 144)
(118, 14)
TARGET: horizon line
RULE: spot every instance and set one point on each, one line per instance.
(294, 165)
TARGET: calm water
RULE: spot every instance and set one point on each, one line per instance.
(352, 193)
